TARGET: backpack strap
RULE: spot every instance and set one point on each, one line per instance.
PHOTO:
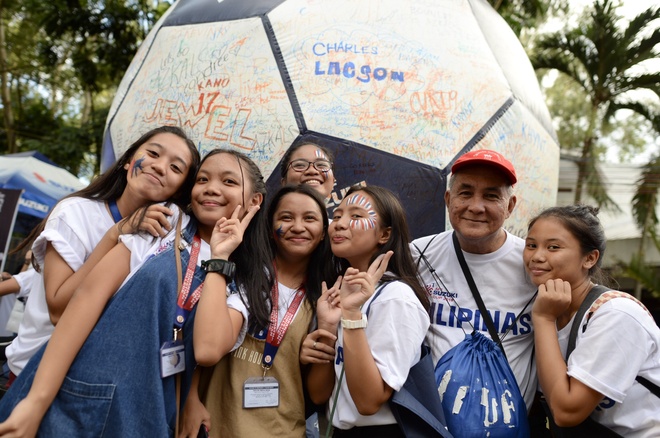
(378, 291)
(592, 295)
(597, 296)
(655, 389)
(421, 253)
(608, 295)
(475, 292)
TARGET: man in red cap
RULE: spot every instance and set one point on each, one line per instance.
(479, 199)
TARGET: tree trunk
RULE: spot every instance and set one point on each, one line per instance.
(587, 154)
(5, 92)
(587, 146)
(87, 107)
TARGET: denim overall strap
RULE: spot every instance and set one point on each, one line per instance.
(114, 385)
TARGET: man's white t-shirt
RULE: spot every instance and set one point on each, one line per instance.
(505, 289)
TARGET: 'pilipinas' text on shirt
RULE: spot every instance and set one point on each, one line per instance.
(452, 316)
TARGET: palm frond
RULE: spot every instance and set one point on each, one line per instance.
(640, 22)
(645, 200)
(596, 188)
(638, 270)
(638, 107)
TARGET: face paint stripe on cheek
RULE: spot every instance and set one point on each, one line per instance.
(362, 224)
(279, 232)
(137, 165)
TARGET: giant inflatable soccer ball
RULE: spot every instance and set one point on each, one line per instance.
(398, 89)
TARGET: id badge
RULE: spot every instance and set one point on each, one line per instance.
(261, 392)
(172, 358)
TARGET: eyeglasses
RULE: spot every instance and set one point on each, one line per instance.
(302, 165)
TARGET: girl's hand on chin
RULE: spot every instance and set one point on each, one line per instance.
(228, 233)
(554, 299)
(357, 287)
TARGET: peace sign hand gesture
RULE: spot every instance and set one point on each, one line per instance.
(357, 287)
(328, 307)
(228, 233)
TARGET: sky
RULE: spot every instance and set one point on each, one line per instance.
(628, 8)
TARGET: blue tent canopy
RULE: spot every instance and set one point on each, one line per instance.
(42, 181)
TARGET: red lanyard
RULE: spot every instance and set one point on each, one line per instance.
(276, 334)
(185, 304)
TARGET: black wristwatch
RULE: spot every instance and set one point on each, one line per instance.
(220, 266)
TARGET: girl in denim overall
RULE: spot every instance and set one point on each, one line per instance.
(84, 226)
(110, 368)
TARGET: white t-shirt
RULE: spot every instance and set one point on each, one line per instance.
(144, 246)
(621, 341)
(285, 296)
(397, 324)
(505, 289)
(74, 228)
(6, 305)
(24, 280)
(7, 302)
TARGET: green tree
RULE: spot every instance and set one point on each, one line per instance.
(526, 14)
(644, 208)
(62, 62)
(604, 61)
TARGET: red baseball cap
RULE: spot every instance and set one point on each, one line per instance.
(487, 157)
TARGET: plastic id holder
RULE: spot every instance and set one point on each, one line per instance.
(172, 358)
(261, 392)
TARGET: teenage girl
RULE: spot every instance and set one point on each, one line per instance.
(303, 163)
(310, 164)
(113, 362)
(275, 322)
(617, 342)
(84, 226)
(373, 354)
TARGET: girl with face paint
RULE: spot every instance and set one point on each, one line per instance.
(275, 323)
(310, 164)
(369, 357)
(85, 225)
(121, 359)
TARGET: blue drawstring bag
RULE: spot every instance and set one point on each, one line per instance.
(479, 393)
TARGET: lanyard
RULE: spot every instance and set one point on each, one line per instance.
(276, 334)
(114, 210)
(184, 302)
